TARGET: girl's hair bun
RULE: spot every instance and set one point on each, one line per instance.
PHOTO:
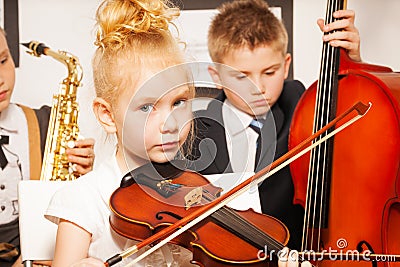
(119, 19)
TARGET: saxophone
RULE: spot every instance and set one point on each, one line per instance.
(63, 124)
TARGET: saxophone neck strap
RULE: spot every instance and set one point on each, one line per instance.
(35, 156)
(8, 251)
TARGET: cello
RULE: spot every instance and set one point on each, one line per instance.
(350, 186)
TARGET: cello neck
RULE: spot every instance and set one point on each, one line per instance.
(328, 77)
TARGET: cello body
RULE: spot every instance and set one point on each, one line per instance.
(363, 204)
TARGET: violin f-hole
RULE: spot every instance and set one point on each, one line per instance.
(159, 215)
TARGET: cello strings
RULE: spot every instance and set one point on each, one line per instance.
(322, 114)
(319, 174)
(330, 87)
(308, 224)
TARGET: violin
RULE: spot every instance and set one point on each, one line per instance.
(350, 185)
(182, 207)
(169, 193)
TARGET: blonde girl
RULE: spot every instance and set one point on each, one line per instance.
(143, 97)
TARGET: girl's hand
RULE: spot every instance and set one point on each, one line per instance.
(290, 260)
(345, 33)
(88, 262)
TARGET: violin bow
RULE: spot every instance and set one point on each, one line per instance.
(182, 225)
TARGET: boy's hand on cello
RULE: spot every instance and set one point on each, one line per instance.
(346, 34)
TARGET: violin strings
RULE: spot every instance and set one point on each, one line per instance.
(230, 218)
(239, 224)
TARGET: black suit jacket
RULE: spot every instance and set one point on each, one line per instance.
(210, 155)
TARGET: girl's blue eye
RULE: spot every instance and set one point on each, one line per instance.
(146, 108)
(179, 103)
(241, 77)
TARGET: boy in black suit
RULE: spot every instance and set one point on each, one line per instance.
(248, 45)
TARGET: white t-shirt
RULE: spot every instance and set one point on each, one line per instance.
(91, 193)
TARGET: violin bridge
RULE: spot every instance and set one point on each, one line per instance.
(193, 197)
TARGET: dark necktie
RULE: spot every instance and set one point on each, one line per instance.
(256, 125)
(3, 160)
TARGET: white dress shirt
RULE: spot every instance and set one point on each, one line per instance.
(240, 138)
(13, 123)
